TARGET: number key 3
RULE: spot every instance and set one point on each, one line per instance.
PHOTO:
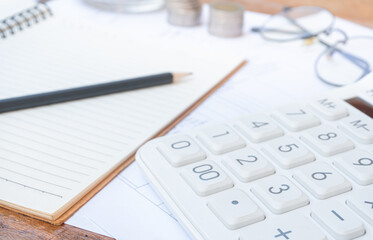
(279, 194)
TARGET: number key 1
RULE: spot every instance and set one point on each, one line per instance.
(220, 139)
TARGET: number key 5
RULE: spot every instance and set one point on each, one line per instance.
(288, 152)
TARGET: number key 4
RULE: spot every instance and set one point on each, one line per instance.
(259, 128)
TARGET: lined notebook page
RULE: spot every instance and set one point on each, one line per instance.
(50, 156)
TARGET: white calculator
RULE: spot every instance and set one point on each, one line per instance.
(300, 172)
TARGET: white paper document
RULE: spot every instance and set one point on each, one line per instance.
(277, 73)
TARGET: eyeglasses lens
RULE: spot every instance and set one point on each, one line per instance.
(346, 63)
(297, 23)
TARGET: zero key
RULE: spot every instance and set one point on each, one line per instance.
(180, 150)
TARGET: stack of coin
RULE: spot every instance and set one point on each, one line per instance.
(184, 12)
(226, 19)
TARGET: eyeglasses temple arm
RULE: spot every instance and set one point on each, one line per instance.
(361, 63)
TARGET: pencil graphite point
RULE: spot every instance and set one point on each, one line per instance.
(178, 76)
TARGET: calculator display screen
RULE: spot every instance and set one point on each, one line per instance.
(362, 105)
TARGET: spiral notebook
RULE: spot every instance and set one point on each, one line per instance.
(54, 158)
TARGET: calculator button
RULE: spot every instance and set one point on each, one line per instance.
(248, 165)
(259, 128)
(220, 139)
(321, 180)
(296, 117)
(358, 126)
(295, 227)
(358, 165)
(288, 152)
(181, 150)
(330, 109)
(206, 178)
(362, 203)
(235, 209)
(279, 194)
(338, 220)
(327, 140)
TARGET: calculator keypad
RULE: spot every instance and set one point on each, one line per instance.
(261, 173)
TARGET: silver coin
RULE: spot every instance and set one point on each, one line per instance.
(226, 19)
(183, 12)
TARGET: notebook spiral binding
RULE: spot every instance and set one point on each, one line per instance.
(24, 19)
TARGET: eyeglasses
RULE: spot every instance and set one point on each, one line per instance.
(345, 59)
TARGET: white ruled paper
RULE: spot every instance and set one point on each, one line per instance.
(51, 156)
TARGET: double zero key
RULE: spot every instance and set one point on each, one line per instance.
(206, 178)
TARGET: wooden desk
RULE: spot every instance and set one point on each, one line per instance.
(19, 227)
(359, 11)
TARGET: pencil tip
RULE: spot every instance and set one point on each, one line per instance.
(178, 76)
